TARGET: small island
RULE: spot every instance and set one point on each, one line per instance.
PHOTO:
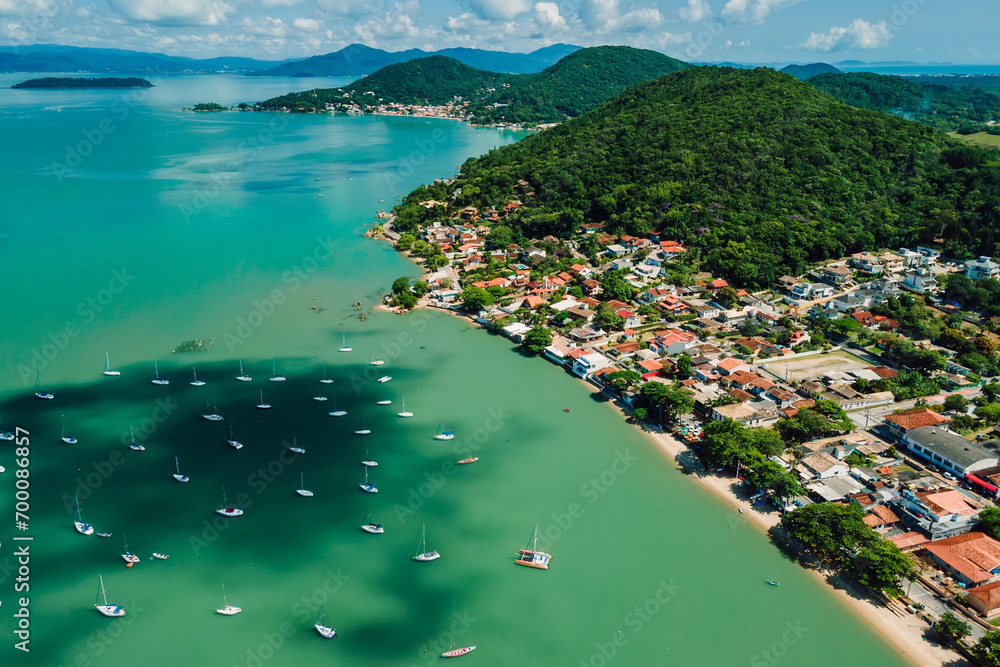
(72, 82)
(213, 106)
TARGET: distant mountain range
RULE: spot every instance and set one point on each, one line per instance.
(803, 72)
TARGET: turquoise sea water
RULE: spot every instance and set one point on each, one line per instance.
(177, 225)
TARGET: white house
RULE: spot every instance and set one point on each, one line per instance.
(920, 280)
(585, 365)
(984, 267)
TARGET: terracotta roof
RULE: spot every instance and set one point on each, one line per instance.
(820, 462)
(947, 502)
(908, 540)
(862, 499)
(626, 348)
(988, 593)
(916, 418)
(880, 515)
(730, 365)
(804, 403)
(740, 395)
(883, 371)
(650, 365)
(972, 555)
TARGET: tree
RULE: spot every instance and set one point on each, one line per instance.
(447, 283)
(727, 297)
(823, 419)
(621, 380)
(986, 652)
(989, 413)
(989, 521)
(421, 288)
(475, 299)
(405, 242)
(536, 339)
(669, 402)
(952, 627)
(882, 566)
(400, 285)
(639, 415)
(991, 391)
(683, 367)
(956, 403)
(435, 262)
(607, 319)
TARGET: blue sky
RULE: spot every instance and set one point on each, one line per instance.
(750, 31)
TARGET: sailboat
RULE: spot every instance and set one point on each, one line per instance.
(422, 554)
(444, 435)
(233, 442)
(321, 627)
(243, 377)
(531, 557)
(274, 372)
(225, 509)
(383, 402)
(376, 362)
(344, 348)
(227, 609)
(325, 379)
(302, 490)
(158, 380)
(368, 462)
(196, 382)
(295, 449)
(211, 415)
(369, 526)
(68, 439)
(368, 487)
(361, 430)
(107, 366)
(336, 412)
(177, 472)
(135, 446)
(109, 610)
(39, 392)
(319, 397)
(127, 555)
(404, 413)
(262, 405)
(81, 526)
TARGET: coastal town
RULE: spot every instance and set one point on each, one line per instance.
(868, 383)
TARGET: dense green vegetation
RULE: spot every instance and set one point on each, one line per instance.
(208, 106)
(757, 173)
(76, 82)
(804, 72)
(433, 80)
(943, 107)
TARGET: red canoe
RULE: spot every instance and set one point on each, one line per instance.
(458, 651)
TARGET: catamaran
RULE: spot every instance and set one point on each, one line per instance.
(274, 372)
(177, 472)
(233, 442)
(243, 377)
(110, 610)
(532, 557)
(135, 446)
(127, 555)
(81, 526)
(225, 509)
(344, 348)
(336, 412)
(262, 405)
(404, 413)
(369, 526)
(368, 487)
(39, 392)
(158, 380)
(302, 490)
(422, 554)
(68, 439)
(295, 449)
(376, 362)
(385, 378)
(325, 379)
(454, 653)
(107, 366)
(227, 609)
(444, 435)
(321, 627)
(196, 382)
(211, 415)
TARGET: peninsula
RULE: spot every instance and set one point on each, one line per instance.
(77, 82)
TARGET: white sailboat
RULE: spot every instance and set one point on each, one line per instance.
(368, 487)
(369, 462)
(422, 554)
(177, 472)
(158, 380)
(233, 442)
(295, 449)
(383, 402)
(81, 526)
(243, 377)
(68, 439)
(371, 526)
(344, 347)
(404, 413)
(319, 397)
(127, 555)
(39, 392)
(262, 405)
(196, 382)
(302, 490)
(321, 627)
(107, 366)
(227, 609)
(211, 415)
(274, 372)
(325, 379)
(376, 362)
(444, 435)
(135, 446)
(336, 412)
(225, 509)
(109, 610)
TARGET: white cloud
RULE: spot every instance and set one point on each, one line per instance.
(499, 9)
(753, 11)
(174, 12)
(277, 3)
(859, 35)
(667, 40)
(547, 14)
(309, 25)
(603, 16)
(697, 10)
(638, 19)
(46, 8)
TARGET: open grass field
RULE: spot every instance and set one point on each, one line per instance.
(978, 139)
(812, 366)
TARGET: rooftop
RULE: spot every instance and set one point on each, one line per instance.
(973, 555)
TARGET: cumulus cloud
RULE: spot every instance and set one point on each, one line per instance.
(604, 16)
(547, 14)
(500, 9)
(638, 19)
(669, 40)
(309, 25)
(174, 12)
(859, 35)
(697, 10)
(753, 11)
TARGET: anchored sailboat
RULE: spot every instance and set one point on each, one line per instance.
(295, 449)
(227, 609)
(336, 412)
(321, 627)
(243, 377)
(404, 413)
(127, 555)
(262, 405)
(325, 379)
(422, 554)
(531, 557)
(369, 526)
(68, 439)
(211, 415)
(177, 472)
(302, 490)
(344, 347)
(109, 610)
(444, 435)
(368, 487)
(376, 362)
(39, 392)
(81, 526)
(135, 446)
(158, 380)
(233, 442)
(196, 382)
(225, 509)
(274, 372)
(107, 366)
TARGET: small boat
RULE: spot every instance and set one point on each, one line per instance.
(68, 439)
(404, 413)
(302, 490)
(177, 472)
(385, 378)
(375, 361)
(227, 609)
(321, 627)
(368, 462)
(741, 510)
(444, 435)
(109, 610)
(454, 653)
(262, 405)
(135, 446)
(39, 392)
(567, 410)
(361, 429)
(319, 397)
(103, 534)
(159, 556)
(107, 366)
(225, 509)
(211, 415)
(295, 449)
(773, 583)
(369, 526)
(422, 554)
(243, 377)
(81, 526)
(6, 436)
(158, 380)
(325, 379)
(127, 555)
(531, 557)
(344, 347)
(336, 412)
(465, 461)
(274, 372)
(233, 442)
(368, 487)
(196, 382)
(384, 402)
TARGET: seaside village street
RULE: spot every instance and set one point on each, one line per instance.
(867, 386)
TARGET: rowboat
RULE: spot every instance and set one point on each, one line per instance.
(454, 653)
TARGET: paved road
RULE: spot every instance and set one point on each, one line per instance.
(936, 606)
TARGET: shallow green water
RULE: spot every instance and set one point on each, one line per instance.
(214, 228)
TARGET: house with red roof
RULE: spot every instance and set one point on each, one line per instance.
(972, 558)
(631, 319)
(649, 368)
(673, 341)
(901, 422)
(730, 365)
(718, 283)
(985, 599)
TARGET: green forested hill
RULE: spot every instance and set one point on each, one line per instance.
(574, 85)
(758, 173)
